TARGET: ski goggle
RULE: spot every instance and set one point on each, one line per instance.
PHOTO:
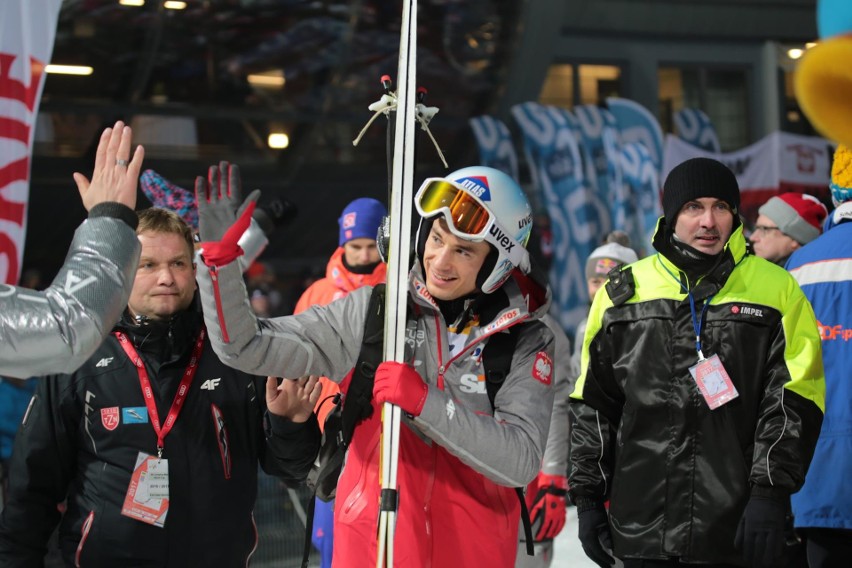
(467, 216)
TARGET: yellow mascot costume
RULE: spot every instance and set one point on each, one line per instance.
(823, 79)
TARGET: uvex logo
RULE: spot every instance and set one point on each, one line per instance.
(502, 239)
(525, 221)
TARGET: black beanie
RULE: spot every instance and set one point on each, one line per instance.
(697, 178)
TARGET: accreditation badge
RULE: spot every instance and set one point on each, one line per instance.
(713, 381)
(147, 497)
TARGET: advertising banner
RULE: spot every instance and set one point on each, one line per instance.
(27, 31)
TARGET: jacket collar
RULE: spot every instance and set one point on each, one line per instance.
(521, 297)
(165, 340)
(734, 252)
(348, 281)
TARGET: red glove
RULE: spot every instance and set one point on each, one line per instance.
(547, 512)
(220, 253)
(400, 384)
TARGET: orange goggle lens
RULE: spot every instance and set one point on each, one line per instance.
(467, 215)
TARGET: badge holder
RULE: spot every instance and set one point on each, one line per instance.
(147, 497)
(713, 381)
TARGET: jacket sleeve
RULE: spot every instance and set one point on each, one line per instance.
(791, 411)
(41, 468)
(595, 407)
(521, 419)
(324, 340)
(555, 460)
(56, 330)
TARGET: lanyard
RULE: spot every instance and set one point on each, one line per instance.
(148, 393)
(697, 322)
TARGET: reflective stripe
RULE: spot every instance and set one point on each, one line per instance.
(87, 526)
(838, 270)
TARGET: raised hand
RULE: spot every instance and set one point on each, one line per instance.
(220, 224)
(116, 176)
(219, 199)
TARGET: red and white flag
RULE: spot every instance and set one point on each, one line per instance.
(777, 163)
(27, 32)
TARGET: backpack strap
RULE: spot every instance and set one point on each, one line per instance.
(497, 362)
(357, 403)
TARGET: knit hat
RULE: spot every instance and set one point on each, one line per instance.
(798, 215)
(606, 257)
(697, 178)
(841, 175)
(360, 219)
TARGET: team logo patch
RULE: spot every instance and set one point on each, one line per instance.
(349, 220)
(109, 417)
(542, 368)
(134, 415)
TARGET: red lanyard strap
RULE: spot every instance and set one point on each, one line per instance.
(148, 393)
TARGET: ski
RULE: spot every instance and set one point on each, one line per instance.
(400, 209)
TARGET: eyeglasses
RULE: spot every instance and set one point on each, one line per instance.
(765, 229)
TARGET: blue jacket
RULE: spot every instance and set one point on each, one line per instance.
(823, 268)
(13, 402)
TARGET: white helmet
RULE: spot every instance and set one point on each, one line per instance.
(482, 204)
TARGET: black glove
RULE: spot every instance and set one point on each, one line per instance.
(593, 528)
(760, 534)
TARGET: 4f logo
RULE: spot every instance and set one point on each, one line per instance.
(210, 384)
(104, 362)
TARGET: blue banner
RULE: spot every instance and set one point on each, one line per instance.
(636, 124)
(643, 184)
(495, 144)
(578, 215)
(599, 136)
(694, 126)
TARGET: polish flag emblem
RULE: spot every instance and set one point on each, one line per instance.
(542, 368)
(109, 417)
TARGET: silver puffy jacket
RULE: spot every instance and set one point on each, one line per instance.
(56, 330)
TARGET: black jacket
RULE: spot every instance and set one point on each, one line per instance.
(69, 445)
(678, 474)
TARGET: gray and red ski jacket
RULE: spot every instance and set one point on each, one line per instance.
(459, 460)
